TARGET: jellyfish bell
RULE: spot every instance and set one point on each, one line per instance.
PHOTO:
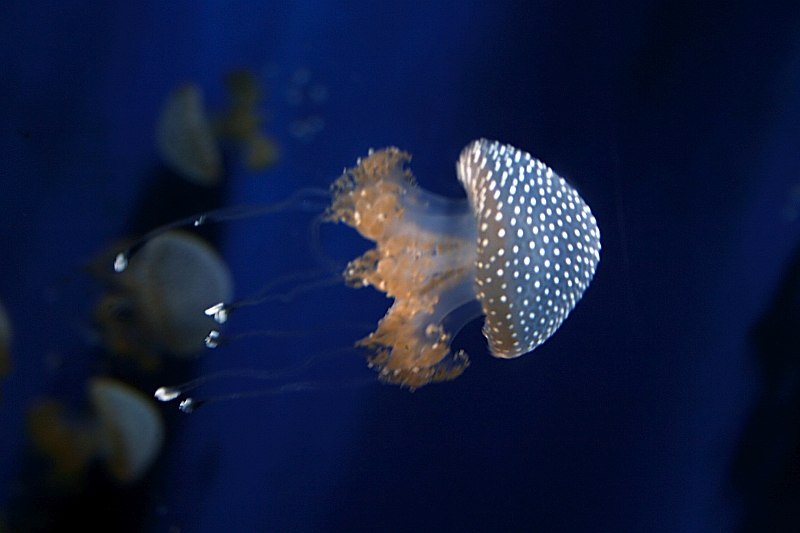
(164, 291)
(185, 137)
(538, 245)
(178, 275)
(521, 249)
(125, 433)
(131, 428)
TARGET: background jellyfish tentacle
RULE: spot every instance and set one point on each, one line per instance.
(307, 199)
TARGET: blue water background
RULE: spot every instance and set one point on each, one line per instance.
(678, 122)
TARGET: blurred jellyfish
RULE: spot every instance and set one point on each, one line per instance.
(242, 121)
(260, 152)
(301, 92)
(189, 142)
(520, 250)
(186, 140)
(305, 129)
(157, 304)
(5, 342)
(125, 433)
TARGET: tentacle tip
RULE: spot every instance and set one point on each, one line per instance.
(166, 394)
(219, 312)
(121, 262)
(212, 340)
(189, 405)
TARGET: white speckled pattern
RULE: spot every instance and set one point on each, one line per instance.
(538, 245)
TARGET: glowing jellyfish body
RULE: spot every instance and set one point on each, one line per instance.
(524, 245)
(424, 258)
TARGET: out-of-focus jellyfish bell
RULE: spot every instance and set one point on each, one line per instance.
(126, 433)
(186, 139)
(132, 431)
(524, 245)
(164, 292)
(5, 342)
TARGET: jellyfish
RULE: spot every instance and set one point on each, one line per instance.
(189, 141)
(157, 305)
(521, 250)
(242, 121)
(523, 245)
(125, 432)
(186, 140)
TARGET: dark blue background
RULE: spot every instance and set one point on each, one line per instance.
(679, 123)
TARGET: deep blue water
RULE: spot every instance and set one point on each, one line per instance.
(679, 123)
